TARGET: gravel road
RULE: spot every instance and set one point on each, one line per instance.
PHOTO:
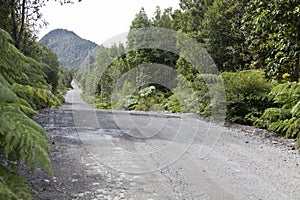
(139, 155)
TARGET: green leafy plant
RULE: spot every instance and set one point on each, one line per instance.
(246, 94)
(149, 98)
(21, 139)
(23, 88)
(13, 186)
(37, 98)
(283, 119)
(272, 33)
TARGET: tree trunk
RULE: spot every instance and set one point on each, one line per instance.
(18, 27)
(22, 26)
(13, 7)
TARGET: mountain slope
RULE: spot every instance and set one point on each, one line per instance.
(71, 49)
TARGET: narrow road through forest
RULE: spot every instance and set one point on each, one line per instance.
(99, 154)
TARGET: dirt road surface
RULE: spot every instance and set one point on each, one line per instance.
(114, 155)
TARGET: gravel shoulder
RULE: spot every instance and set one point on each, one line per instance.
(108, 160)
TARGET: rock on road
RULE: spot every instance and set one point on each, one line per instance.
(114, 155)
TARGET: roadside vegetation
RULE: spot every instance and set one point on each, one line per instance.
(30, 79)
(255, 45)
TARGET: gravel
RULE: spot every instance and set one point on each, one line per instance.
(240, 162)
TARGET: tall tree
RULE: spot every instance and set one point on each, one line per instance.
(162, 19)
(192, 15)
(222, 33)
(135, 38)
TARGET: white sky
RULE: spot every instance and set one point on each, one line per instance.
(98, 20)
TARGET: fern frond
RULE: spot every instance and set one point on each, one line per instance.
(13, 187)
(37, 98)
(21, 139)
(296, 110)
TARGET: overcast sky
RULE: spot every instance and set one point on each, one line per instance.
(98, 20)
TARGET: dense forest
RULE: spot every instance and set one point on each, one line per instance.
(30, 79)
(255, 45)
(71, 50)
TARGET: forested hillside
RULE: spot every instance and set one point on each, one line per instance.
(30, 79)
(255, 45)
(70, 49)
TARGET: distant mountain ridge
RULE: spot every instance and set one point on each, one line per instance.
(71, 49)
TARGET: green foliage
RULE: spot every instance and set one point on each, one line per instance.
(190, 19)
(246, 94)
(65, 77)
(51, 66)
(36, 97)
(28, 80)
(183, 98)
(23, 88)
(284, 118)
(141, 20)
(272, 30)
(149, 98)
(21, 139)
(139, 36)
(128, 102)
(222, 34)
(256, 34)
(145, 99)
(162, 19)
(99, 104)
(13, 187)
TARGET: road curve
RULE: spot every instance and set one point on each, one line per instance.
(140, 155)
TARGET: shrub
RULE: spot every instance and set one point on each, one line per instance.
(246, 95)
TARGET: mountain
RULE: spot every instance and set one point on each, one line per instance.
(71, 49)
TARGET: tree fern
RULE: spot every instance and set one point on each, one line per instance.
(17, 68)
(19, 134)
(20, 137)
(23, 89)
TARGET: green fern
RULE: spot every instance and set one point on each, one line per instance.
(246, 94)
(37, 98)
(13, 187)
(283, 119)
(20, 139)
(23, 88)
(286, 94)
(17, 68)
(290, 127)
(19, 135)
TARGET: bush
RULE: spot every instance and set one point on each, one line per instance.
(246, 95)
